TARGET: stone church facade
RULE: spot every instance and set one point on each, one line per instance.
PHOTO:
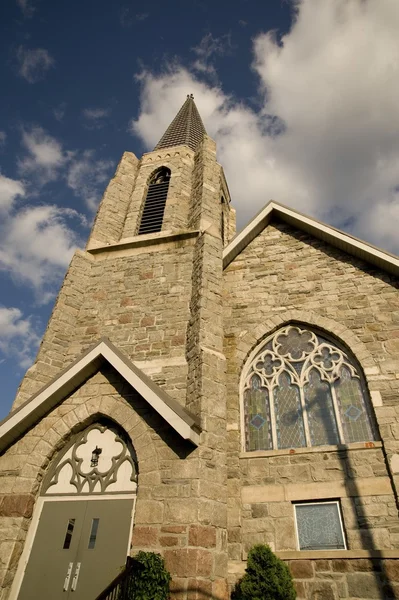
(197, 392)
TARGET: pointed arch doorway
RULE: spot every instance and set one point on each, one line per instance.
(81, 530)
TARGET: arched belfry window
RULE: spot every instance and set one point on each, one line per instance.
(154, 206)
(302, 390)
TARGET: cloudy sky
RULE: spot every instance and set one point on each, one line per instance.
(301, 97)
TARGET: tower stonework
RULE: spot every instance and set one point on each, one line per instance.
(157, 299)
(203, 392)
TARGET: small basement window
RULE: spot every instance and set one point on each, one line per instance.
(319, 526)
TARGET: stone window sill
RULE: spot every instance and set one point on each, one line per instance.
(334, 554)
(313, 449)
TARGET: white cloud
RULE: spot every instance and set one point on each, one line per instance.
(46, 160)
(208, 48)
(326, 137)
(86, 177)
(9, 190)
(34, 63)
(36, 245)
(59, 111)
(18, 336)
(27, 8)
(95, 116)
(3, 137)
(127, 16)
(44, 155)
(95, 113)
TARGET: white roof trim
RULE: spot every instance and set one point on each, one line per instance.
(345, 242)
(41, 403)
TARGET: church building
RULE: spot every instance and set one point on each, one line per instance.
(199, 391)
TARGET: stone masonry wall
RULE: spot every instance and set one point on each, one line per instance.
(287, 276)
(53, 349)
(174, 514)
(365, 579)
(111, 214)
(206, 363)
(141, 302)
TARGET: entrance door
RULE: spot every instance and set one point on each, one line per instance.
(79, 547)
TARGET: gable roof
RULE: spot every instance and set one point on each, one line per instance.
(343, 241)
(17, 422)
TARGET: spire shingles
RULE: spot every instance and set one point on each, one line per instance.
(186, 128)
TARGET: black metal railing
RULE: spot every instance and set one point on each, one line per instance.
(121, 588)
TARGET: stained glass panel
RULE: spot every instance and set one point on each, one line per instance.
(297, 364)
(288, 413)
(352, 408)
(321, 417)
(257, 417)
(319, 526)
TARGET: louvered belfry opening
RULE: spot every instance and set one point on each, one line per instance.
(154, 207)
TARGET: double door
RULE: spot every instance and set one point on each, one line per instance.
(80, 546)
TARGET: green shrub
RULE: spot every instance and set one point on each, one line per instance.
(266, 578)
(150, 579)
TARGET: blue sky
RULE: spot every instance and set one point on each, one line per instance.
(300, 97)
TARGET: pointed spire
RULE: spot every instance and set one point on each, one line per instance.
(186, 128)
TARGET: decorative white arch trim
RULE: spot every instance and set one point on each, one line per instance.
(97, 461)
(73, 376)
(343, 241)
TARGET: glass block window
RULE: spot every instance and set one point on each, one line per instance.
(302, 390)
(319, 526)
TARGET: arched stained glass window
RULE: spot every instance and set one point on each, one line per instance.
(303, 390)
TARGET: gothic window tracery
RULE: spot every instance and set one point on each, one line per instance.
(302, 390)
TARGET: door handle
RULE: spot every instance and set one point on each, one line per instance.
(75, 577)
(68, 577)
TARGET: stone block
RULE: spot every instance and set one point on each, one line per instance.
(201, 535)
(178, 510)
(391, 569)
(322, 565)
(220, 590)
(148, 511)
(199, 589)
(173, 529)
(285, 534)
(144, 536)
(322, 590)
(189, 562)
(17, 505)
(364, 585)
(168, 540)
(300, 590)
(301, 569)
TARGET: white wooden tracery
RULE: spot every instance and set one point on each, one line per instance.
(98, 461)
(302, 390)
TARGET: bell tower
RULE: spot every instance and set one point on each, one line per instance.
(150, 282)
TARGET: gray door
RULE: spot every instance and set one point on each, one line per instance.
(79, 547)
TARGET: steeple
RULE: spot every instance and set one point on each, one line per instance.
(186, 128)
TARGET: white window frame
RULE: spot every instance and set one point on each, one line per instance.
(318, 503)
